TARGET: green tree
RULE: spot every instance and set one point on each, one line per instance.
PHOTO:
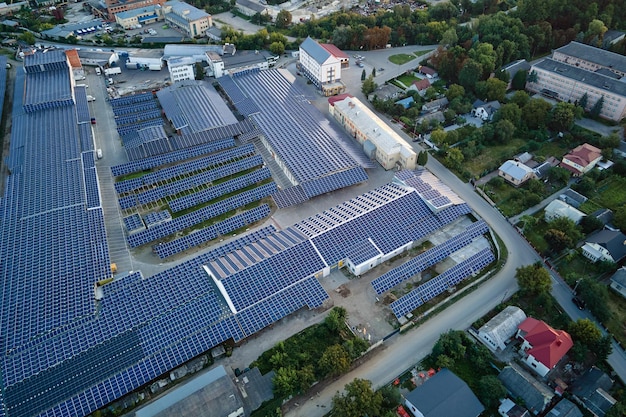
(334, 361)
(486, 56)
(306, 377)
(533, 279)
(562, 117)
(619, 218)
(585, 331)
(335, 319)
(369, 86)
(519, 80)
(535, 113)
(358, 400)
(455, 91)
(567, 226)
(505, 131)
(618, 410)
(597, 107)
(584, 101)
(28, 37)
(470, 74)
(285, 382)
(199, 71)
(490, 390)
(520, 98)
(559, 174)
(511, 112)
(596, 30)
(454, 158)
(438, 136)
(449, 38)
(391, 397)
(363, 75)
(451, 344)
(557, 240)
(277, 48)
(596, 296)
(496, 89)
(283, 19)
(590, 224)
(422, 158)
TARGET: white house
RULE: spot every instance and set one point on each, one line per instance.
(605, 245)
(501, 328)
(321, 67)
(542, 346)
(516, 172)
(485, 110)
(618, 281)
(558, 208)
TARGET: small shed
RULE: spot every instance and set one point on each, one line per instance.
(501, 328)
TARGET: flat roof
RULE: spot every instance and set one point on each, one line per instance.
(598, 56)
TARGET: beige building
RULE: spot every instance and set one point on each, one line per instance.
(581, 159)
(321, 67)
(591, 58)
(188, 19)
(516, 172)
(131, 18)
(565, 81)
(379, 141)
(116, 6)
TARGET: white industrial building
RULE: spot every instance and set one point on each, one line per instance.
(181, 69)
(379, 141)
(187, 18)
(497, 331)
(321, 67)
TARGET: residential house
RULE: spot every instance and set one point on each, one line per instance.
(438, 116)
(542, 170)
(618, 281)
(565, 408)
(581, 159)
(558, 208)
(524, 157)
(516, 172)
(443, 395)
(605, 245)
(321, 67)
(386, 92)
(420, 86)
(535, 395)
(406, 102)
(508, 408)
(435, 105)
(497, 331)
(485, 110)
(592, 391)
(621, 149)
(572, 198)
(428, 71)
(542, 346)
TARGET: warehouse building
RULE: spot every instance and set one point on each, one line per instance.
(379, 141)
(187, 18)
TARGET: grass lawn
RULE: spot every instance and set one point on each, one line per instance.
(589, 207)
(617, 323)
(492, 157)
(611, 192)
(534, 234)
(407, 79)
(420, 53)
(400, 59)
(549, 149)
(577, 266)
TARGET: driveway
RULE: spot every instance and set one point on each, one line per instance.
(600, 128)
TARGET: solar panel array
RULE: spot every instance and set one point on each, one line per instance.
(131, 100)
(133, 222)
(170, 158)
(183, 168)
(291, 196)
(214, 231)
(244, 105)
(122, 110)
(441, 283)
(362, 252)
(428, 258)
(334, 181)
(157, 217)
(82, 105)
(190, 182)
(211, 193)
(303, 139)
(198, 216)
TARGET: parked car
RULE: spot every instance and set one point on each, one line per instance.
(579, 303)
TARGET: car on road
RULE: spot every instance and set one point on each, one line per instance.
(381, 69)
(579, 303)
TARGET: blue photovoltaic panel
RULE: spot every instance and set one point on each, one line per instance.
(170, 158)
(91, 188)
(157, 217)
(133, 222)
(334, 181)
(291, 196)
(428, 258)
(131, 100)
(441, 283)
(362, 252)
(135, 108)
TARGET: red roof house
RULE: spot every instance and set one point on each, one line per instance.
(420, 86)
(543, 346)
(581, 159)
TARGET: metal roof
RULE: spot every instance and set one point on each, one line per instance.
(598, 56)
(315, 50)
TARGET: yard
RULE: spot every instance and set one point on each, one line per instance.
(492, 157)
(400, 59)
(407, 79)
(617, 323)
(611, 193)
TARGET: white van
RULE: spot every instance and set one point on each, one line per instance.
(98, 71)
(91, 98)
(99, 153)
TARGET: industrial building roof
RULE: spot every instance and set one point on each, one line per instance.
(371, 125)
(196, 51)
(599, 56)
(185, 10)
(137, 12)
(593, 79)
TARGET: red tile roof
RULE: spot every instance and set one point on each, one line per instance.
(427, 70)
(422, 84)
(584, 154)
(548, 345)
(333, 50)
(333, 99)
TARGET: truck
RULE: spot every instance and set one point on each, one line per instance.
(155, 67)
(112, 71)
(98, 71)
